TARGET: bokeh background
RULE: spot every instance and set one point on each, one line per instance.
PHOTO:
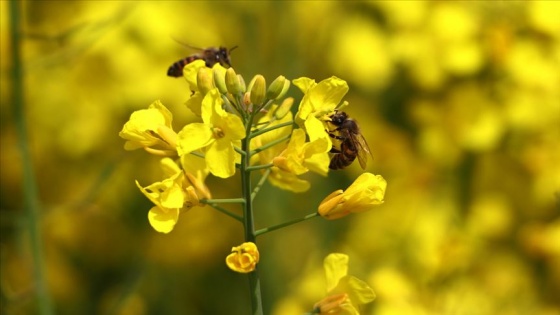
(459, 101)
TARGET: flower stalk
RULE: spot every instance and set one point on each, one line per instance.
(31, 195)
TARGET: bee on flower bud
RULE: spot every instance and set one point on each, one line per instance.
(211, 56)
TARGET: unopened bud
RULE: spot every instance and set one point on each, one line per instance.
(204, 80)
(258, 90)
(220, 78)
(232, 82)
(284, 108)
(242, 83)
(278, 88)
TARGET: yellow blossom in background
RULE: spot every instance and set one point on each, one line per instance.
(217, 135)
(345, 293)
(367, 191)
(243, 258)
(149, 128)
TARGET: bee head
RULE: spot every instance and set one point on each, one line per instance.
(338, 118)
(223, 55)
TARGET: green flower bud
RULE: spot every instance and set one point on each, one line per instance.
(204, 80)
(220, 78)
(284, 108)
(232, 82)
(258, 90)
(242, 83)
(278, 88)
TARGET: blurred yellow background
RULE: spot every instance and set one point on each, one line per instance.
(459, 102)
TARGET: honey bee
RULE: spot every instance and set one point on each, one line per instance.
(352, 142)
(211, 56)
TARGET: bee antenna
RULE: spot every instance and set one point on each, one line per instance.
(232, 48)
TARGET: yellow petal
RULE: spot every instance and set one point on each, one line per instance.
(163, 221)
(336, 267)
(193, 137)
(220, 159)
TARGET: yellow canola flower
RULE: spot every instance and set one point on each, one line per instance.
(319, 99)
(367, 191)
(344, 293)
(243, 258)
(278, 177)
(217, 135)
(150, 129)
(169, 196)
(300, 156)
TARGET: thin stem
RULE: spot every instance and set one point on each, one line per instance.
(249, 224)
(226, 212)
(231, 200)
(259, 167)
(31, 198)
(271, 144)
(285, 224)
(260, 183)
(265, 130)
(240, 151)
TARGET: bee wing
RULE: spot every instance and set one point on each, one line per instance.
(362, 148)
(187, 45)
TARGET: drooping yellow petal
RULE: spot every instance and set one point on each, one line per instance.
(336, 267)
(163, 220)
(288, 181)
(220, 159)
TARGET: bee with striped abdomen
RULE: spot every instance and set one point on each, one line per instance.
(352, 142)
(211, 56)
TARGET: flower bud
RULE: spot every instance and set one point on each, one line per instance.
(242, 83)
(232, 82)
(220, 78)
(258, 90)
(204, 80)
(284, 108)
(278, 88)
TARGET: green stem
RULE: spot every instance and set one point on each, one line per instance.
(31, 198)
(231, 200)
(271, 144)
(224, 211)
(285, 224)
(259, 167)
(260, 183)
(249, 224)
(265, 130)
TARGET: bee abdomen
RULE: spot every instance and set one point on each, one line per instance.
(176, 69)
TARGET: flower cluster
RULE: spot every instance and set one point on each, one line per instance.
(247, 128)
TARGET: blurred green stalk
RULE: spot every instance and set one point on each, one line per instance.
(249, 224)
(30, 196)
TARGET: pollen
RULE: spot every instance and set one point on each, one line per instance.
(218, 133)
